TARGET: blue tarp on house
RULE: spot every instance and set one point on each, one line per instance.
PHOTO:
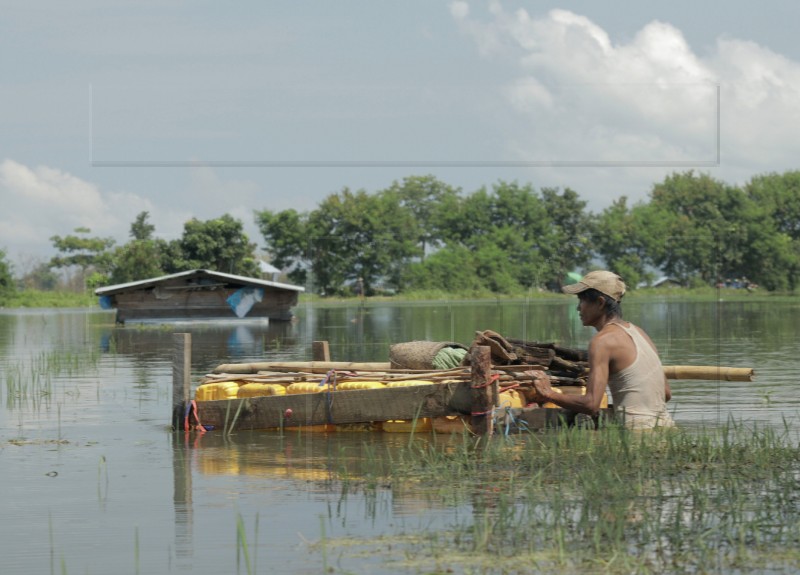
(243, 300)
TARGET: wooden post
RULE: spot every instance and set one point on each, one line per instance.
(181, 375)
(320, 351)
(484, 393)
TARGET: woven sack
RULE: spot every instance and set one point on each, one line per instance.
(418, 354)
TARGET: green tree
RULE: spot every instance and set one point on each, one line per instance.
(140, 258)
(618, 238)
(424, 197)
(218, 244)
(503, 224)
(451, 268)
(83, 251)
(137, 260)
(779, 196)
(519, 239)
(140, 228)
(694, 227)
(354, 235)
(7, 286)
(286, 241)
(493, 268)
(565, 241)
(350, 235)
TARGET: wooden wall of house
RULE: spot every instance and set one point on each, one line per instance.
(179, 302)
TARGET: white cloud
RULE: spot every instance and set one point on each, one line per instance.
(459, 10)
(41, 202)
(47, 187)
(581, 95)
(209, 186)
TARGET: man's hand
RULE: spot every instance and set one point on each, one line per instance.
(541, 386)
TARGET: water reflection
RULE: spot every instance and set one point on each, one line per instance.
(294, 455)
(307, 461)
(221, 342)
(182, 502)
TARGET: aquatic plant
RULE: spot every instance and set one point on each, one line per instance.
(30, 381)
(610, 501)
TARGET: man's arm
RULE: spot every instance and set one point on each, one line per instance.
(599, 357)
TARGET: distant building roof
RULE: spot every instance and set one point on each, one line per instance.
(267, 268)
(663, 280)
(228, 278)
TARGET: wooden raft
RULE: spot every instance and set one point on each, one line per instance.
(475, 393)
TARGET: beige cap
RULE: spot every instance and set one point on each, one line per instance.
(607, 283)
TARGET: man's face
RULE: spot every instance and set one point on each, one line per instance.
(590, 311)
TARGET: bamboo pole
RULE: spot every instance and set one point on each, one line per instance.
(709, 372)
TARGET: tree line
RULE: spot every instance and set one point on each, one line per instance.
(423, 234)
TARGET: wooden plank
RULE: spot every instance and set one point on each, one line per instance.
(338, 406)
(143, 304)
(181, 375)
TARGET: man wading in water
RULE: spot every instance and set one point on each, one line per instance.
(621, 356)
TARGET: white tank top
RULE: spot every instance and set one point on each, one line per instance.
(638, 391)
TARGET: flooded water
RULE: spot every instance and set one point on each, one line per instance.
(93, 481)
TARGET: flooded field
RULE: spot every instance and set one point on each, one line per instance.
(93, 480)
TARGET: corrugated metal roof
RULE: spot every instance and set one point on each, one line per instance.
(109, 290)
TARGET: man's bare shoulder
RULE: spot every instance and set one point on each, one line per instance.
(603, 341)
(610, 336)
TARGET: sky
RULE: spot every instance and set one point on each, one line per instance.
(197, 109)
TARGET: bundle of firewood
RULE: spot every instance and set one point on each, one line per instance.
(565, 365)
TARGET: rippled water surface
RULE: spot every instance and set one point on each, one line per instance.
(93, 481)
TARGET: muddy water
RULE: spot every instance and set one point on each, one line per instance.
(92, 480)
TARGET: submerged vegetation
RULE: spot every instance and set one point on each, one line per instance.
(30, 382)
(610, 501)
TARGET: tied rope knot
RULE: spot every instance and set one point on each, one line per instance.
(494, 377)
